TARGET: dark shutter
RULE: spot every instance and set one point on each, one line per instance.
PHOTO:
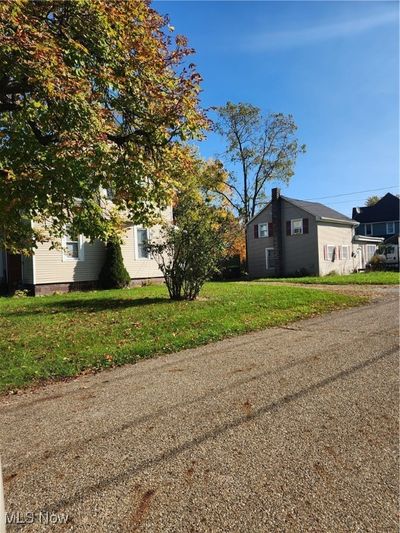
(305, 225)
(288, 227)
(256, 231)
(270, 229)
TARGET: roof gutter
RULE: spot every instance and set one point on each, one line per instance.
(338, 221)
(367, 238)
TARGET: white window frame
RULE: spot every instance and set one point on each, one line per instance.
(292, 223)
(333, 258)
(266, 259)
(137, 257)
(366, 231)
(66, 257)
(263, 228)
(367, 250)
(390, 224)
(347, 248)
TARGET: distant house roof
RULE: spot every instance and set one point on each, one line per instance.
(385, 210)
(318, 210)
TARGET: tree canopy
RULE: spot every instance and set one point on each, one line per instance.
(372, 200)
(94, 94)
(259, 149)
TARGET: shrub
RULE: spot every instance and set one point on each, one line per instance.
(377, 262)
(113, 275)
(189, 250)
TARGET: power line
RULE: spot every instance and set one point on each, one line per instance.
(352, 193)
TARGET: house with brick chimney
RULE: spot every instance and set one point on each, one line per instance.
(296, 237)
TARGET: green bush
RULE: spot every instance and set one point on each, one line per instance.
(113, 275)
(190, 249)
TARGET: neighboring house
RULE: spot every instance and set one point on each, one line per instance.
(290, 237)
(77, 265)
(379, 220)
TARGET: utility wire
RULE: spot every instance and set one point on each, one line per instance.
(352, 193)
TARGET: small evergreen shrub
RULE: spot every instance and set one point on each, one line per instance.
(114, 275)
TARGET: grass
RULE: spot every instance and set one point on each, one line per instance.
(361, 278)
(58, 336)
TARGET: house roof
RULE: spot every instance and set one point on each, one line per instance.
(394, 239)
(386, 210)
(318, 210)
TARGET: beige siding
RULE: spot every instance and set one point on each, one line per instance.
(299, 251)
(139, 268)
(51, 266)
(142, 268)
(256, 247)
(335, 235)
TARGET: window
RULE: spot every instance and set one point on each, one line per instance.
(371, 249)
(389, 227)
(263, 230)
(142, 236)
(270, 258)
(297, 226)
(345, 252)
(72, 247)
(330, 252)
(368, 229)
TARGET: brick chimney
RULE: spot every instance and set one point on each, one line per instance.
(277, 230)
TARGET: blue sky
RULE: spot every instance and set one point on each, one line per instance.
(332, 65)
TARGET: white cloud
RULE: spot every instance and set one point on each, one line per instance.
(313, 34)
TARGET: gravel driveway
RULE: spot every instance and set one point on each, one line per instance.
(287, 429)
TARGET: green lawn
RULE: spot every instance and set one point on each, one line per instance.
(57, 336)
(361, 278)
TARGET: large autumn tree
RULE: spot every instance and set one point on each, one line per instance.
(94, 95)
(260, 149)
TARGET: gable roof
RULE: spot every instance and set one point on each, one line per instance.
(385, 210)
(318, 210)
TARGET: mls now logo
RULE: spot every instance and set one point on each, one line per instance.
(41, 517)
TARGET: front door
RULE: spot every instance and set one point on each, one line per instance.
(270, 259)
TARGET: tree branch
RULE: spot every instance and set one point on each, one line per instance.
(43, 139)
(229, 200)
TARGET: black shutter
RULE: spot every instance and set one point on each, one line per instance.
(256, 231)
(288, 227)
(305, 225)
(270, 229)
